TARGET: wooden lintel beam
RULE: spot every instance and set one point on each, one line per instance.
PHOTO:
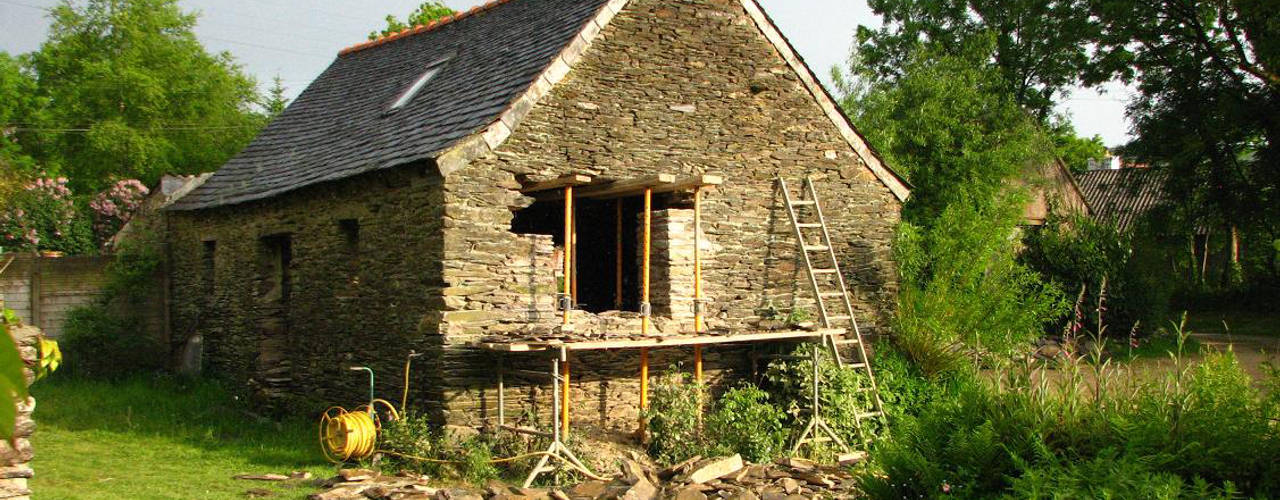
(627, 187)
(557, 183)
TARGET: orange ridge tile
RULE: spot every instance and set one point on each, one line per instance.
(421, 28)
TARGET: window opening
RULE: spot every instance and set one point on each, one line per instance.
(598, 243)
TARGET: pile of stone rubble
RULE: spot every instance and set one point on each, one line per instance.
(694, 479)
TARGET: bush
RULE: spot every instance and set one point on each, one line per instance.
(963, 292)
(110, 338)
(745, 422)
(98, 342)
(675, 409)
(1202, 432)
(43, 216)
(843, 393)
(1079, 251)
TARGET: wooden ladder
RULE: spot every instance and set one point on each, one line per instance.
(828, 283)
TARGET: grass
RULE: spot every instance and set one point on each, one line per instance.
(1258, 321)
(160, 438)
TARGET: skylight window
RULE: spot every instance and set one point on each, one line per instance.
(427, 75)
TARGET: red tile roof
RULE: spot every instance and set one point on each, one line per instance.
(421, 28)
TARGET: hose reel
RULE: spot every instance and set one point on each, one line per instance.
(353, 435)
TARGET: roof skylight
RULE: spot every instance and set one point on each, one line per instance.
(427, 75)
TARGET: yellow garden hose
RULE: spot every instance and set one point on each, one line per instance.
(347, 435)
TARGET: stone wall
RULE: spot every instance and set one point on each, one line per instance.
(682, 87)
(363, 273)
(15, 457)
(41, 290)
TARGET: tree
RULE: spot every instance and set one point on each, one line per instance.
(1041, 48)
(275, 102)
(131, 93)
(1208, 107)
(19, 110)
(1074, 150)
(949, 125)
(423, 15)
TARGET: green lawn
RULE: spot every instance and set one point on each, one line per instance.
(1241, 322)
(161, 438)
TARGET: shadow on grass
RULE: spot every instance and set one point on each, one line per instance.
(194, 412)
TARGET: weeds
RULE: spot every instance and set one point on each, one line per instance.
(1202, 431)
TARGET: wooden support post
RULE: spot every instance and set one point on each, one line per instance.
(697, 363)
(644, 378)
(564, 397)
(502, 389)
(568, 257)
(573, 257)
(617, 253)
(645, 309)
(697, 269)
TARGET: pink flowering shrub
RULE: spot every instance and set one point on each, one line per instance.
(43, 216)
(114, 207)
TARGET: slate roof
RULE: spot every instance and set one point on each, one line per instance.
(1122, 196)
(339, 126)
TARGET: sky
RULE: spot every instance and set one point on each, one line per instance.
(297, 39)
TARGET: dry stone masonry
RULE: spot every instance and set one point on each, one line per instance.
(288, 290)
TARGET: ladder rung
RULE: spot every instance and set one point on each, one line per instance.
(848, 341)
(800, 203)
(808, 224)
(824, 271)
(856, 366)
(870, 414)
(831, 294)
(842, 316)
(816, 248)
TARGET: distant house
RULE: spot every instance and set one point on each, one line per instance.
(1123, 196)
(421, 192)
(1053, 188)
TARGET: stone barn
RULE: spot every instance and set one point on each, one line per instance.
(419, 195)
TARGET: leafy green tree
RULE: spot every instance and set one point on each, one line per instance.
(1041, 48)
(1074, 150)
(948, 123)
(131, 93)
(1208, 104)
(424, 14)
(19, 110)
(275, 102)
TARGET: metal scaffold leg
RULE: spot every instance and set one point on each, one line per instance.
(818, 431)
(557, 451)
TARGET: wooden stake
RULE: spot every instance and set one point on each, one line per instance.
(697, 363)
(697, 268)
(564, 406)
(644, 272)
(568, 245)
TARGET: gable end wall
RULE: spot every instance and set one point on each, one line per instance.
(669, 86)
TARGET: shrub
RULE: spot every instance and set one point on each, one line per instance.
(43, 216)
(745, 422)
(675, 407)
(964, 293)
(99, 342)
(115, 206)
(841, 393)
(1202, 432)
(110, 338)
(1079, 251)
